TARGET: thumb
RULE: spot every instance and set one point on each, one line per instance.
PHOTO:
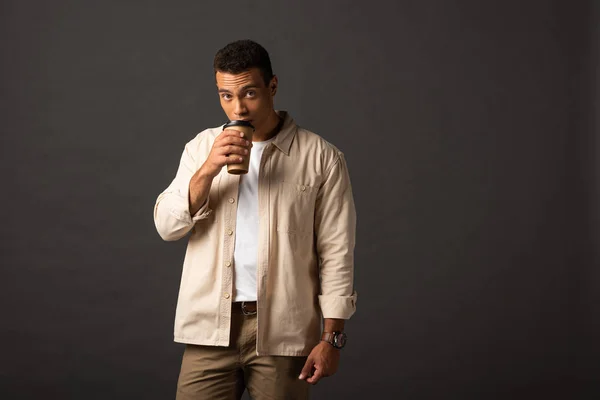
(307, 369)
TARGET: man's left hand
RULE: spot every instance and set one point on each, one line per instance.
(322, 361)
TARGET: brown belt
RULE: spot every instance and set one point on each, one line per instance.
(244, 307)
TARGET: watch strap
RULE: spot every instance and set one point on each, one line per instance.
(328, 337)
(332, 339)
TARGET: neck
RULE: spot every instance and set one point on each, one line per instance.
(270, 129)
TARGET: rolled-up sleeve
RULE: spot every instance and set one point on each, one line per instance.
(335, 228)
(172, 209)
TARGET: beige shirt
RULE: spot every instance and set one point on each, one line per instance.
(305, 260)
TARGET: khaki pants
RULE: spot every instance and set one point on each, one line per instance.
(216, 372)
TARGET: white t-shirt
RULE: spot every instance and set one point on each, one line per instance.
(246, 235)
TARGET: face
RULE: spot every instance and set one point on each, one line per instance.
(245, 96)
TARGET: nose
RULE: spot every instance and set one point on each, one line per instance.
(240, 108)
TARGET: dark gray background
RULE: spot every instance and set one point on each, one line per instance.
(470, 129)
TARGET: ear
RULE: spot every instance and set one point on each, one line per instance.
(273, 85)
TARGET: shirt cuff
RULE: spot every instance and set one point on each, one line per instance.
(202, 213)
(339, 307)
(178, 205)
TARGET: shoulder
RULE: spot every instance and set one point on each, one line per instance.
(203, 141)
(314, 143)
(207, 135)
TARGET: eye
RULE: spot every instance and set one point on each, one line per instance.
(250, 93)
(225, 96)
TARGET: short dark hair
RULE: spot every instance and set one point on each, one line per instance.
(240, 56)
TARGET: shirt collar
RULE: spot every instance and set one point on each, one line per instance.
(283, 140)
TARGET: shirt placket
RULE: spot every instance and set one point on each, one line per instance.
(229, 224)
(262, 261)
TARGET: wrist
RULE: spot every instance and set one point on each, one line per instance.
(328, 346)
(333, 325)
(205, 173)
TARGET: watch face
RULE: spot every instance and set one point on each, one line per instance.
(340, 340)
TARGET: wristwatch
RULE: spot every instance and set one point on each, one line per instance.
(336, 339)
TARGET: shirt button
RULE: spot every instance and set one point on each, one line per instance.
(226, 295)
(303, 188)
(231, 200)
(228, 264)
(230, 232)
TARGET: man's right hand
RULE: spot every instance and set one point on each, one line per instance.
(229, 142)
(230, 147)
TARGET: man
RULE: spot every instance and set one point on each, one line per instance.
(270, 252)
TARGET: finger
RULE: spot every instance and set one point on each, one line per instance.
(228, 134)
(224, 160)
(232, 132)
(315, 378)
(230, 138)
(308, 365)
(233, 160)
(234, 140)
(231, 149)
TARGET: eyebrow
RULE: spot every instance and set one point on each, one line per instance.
(251, 86)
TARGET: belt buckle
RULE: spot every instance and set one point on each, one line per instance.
(244, 309)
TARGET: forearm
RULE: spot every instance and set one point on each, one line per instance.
(333, 325)
(199, 189)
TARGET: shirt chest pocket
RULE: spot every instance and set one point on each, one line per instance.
(296, 208)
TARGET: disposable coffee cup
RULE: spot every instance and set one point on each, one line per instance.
(248, 129)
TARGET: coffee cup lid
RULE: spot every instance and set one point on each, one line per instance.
(238, 123)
